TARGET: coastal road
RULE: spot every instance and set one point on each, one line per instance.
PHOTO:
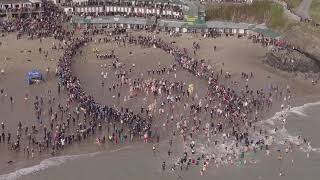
(303, 9)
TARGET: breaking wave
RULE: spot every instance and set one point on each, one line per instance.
(276, 130)
(50, 162)
(279, 121)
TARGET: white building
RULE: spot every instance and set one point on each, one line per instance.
(14, 4)
(18, 4)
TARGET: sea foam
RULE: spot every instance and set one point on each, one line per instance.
(276, 130)
(50, 162)
(279, 121)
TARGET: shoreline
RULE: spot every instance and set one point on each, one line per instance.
(36, 167)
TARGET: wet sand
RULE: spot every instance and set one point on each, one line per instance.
(138, 162)
(14, 82)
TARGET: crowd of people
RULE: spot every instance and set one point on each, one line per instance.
(46, 24)
(223, 118)
(135, 122)
(233, 110)
(64, 126)
(236, 111)
(105, 55)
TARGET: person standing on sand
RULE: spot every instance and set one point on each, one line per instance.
(32, 153)
(163, 166)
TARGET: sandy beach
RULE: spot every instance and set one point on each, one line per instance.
(233, 55)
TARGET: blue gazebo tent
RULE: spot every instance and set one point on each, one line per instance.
(33, 76)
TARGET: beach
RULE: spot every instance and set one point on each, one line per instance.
(233, 55)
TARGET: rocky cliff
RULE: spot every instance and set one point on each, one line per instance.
(292, 61)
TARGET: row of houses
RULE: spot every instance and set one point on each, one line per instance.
(165, 9)
(126, 8)
(136, 3)
(18, 4)
(19, 8)
(220, 27)
(127, 11)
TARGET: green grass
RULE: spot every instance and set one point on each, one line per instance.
(292, 4)
(315, 10)
(276, 19)
(257, 12)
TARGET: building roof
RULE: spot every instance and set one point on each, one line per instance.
(266, 32)
(226, 24)
(177, 2)
(195, 25)
(35, 1)
(13, 1)
(163, 22)
(168, 23)
(116, 19)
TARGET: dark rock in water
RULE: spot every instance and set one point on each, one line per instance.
(292, 61)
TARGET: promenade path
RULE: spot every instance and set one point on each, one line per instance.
(303, 9)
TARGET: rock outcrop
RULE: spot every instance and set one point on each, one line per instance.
(292, 61)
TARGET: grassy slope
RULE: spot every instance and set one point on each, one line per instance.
(315, 10)
(303, 35)
(257, 12)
